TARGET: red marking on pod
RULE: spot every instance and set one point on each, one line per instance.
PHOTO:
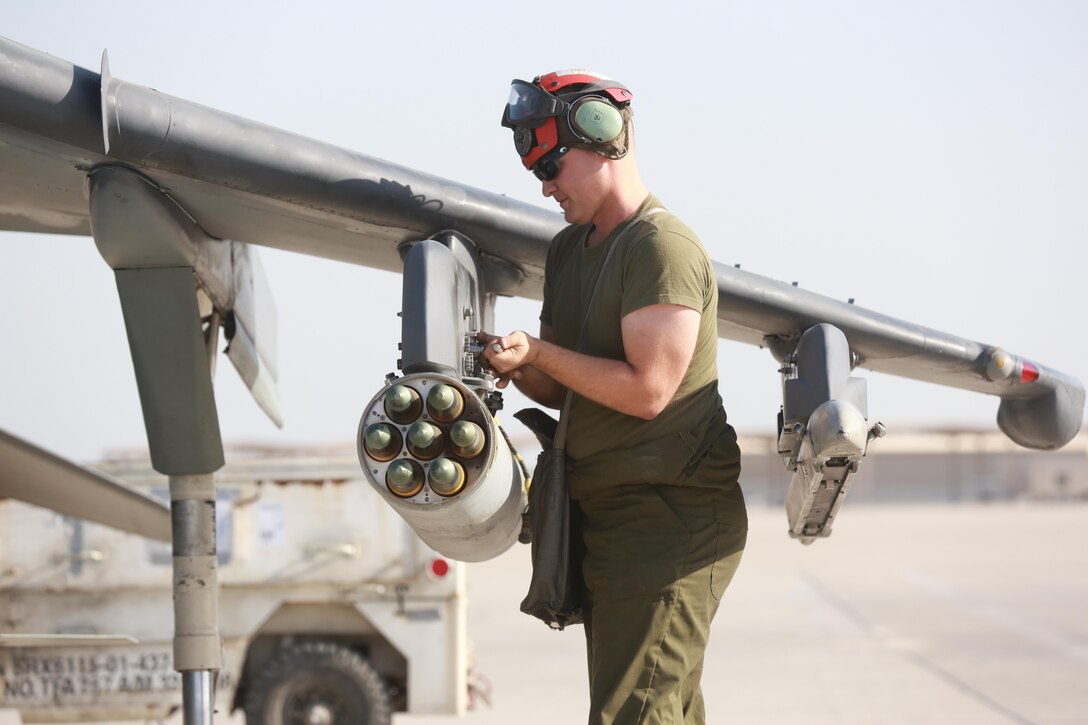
(1029, 373)
(439, 568)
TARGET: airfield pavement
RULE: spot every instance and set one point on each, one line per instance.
(965, 614)
(968, 614)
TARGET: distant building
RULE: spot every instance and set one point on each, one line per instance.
(931, 466)
(935, 466)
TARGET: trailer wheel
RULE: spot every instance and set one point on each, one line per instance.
(317, 683)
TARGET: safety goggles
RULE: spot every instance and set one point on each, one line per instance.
(548, 167)
(530, 105)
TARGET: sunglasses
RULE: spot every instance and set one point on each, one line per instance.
(548, 167)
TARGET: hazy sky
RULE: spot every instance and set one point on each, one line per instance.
(929, 159)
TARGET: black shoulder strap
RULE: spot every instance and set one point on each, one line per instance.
(561, 431)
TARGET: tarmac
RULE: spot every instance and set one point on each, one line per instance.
(957, 614)
(965, 614)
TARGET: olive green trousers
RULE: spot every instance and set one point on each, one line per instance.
(657, 560)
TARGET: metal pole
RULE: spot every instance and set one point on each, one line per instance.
(196, 604)
(198, 698)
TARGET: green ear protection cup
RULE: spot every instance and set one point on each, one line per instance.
(595, 119)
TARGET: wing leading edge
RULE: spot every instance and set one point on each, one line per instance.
(249, 182)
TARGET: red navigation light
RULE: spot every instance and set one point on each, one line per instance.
(1029, 373)
(439, 568)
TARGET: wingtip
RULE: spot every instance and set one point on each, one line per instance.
(1048, 420)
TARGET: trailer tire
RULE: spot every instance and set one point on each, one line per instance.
(317, 683)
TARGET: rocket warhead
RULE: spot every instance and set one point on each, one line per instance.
(402, 404)
(444, 403)
(382, 441)
(467, 439)
(404, 477)
(446, 476)
(425, 440)
(431, 448)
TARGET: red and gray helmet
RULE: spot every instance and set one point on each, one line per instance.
(563, 109)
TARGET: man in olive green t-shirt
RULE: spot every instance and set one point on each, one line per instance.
(654, 464)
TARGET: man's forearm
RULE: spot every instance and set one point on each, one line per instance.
(540, 387)
(612, 383)
(658, 342)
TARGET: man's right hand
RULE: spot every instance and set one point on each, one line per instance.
(492, 345)
(508, 363)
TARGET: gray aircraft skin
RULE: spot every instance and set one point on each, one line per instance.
(174, 193)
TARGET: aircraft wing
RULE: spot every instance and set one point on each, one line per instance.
(35, 476)
(248, 182)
